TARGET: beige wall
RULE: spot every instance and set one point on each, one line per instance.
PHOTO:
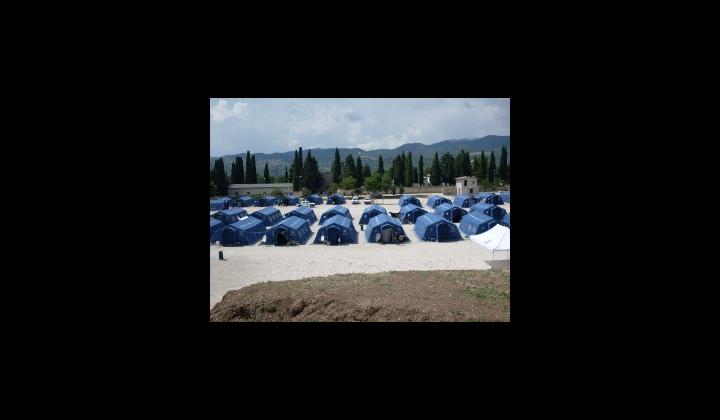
(265, 189)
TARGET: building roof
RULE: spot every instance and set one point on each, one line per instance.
(465, 177)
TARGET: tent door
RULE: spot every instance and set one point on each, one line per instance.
(228, 237)
(443, 232)
(457, 216)
(333, 235)
(281, 237)
(387, 235)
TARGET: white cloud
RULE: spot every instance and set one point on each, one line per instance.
(221, 111)
(279, 125)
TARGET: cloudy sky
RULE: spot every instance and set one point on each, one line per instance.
(280, 125)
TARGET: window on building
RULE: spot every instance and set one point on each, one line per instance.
(466, 182)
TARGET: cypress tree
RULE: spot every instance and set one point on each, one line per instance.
(483, 174)
(508, 174)
(248, 178)
(491, 167)
(420, 173)
(409, 169)
(399, 175)
(240, 170)
(502, 169)
(286, 175)
(358, 172)
(233, 173)
(366, 172)
(435, 171)
(447, 168)
(294, 173)
(254, 170)
(381, 168)
(266, 174)
(349, 167)
(220, 178)
(299, 165)
(308, 177)
(336, 167)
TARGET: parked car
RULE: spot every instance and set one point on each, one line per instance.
(367, 200)
(355, 200)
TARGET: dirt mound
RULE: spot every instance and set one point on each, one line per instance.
(467, 295)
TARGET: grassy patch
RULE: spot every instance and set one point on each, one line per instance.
(487, 292)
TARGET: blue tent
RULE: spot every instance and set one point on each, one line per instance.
(492, 198)
(408, 199)
(462, 200)
(435, 200)
(385, 230)
(335, 231)
(506, 221)
(410, 213)
(474, 223)
(245, 201)
(505, 197)
(370, 212)
(215, 226)
(431, 227)
(269, 215)
(304, 212)
(336, 199)
(291, 231)
(270, 200)
(335, 211)
(217, 204)
(314, 199)
(230, 216)
(288, 200)
(244, 232)
(451, 212)
(495, 212)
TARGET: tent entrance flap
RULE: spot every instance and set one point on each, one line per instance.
(456, 217)
(333, 235)
(387, 235)
(228, 237)
(281, 237)
(443, 232)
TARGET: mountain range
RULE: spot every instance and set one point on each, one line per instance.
(325, 157)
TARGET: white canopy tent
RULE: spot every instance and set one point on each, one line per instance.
(495, 239)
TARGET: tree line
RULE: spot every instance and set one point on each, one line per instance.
(352, 174)
(240, 173)
(445, 168)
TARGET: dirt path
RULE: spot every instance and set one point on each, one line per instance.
(465, 295)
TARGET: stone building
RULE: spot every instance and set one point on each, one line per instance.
(466, 185)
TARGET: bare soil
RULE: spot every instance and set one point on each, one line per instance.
(462, 295)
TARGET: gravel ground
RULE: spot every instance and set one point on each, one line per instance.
(258, 263)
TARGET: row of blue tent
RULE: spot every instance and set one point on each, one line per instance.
(474, 223)
(465, 201)
(233, 227)
(220, 203)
